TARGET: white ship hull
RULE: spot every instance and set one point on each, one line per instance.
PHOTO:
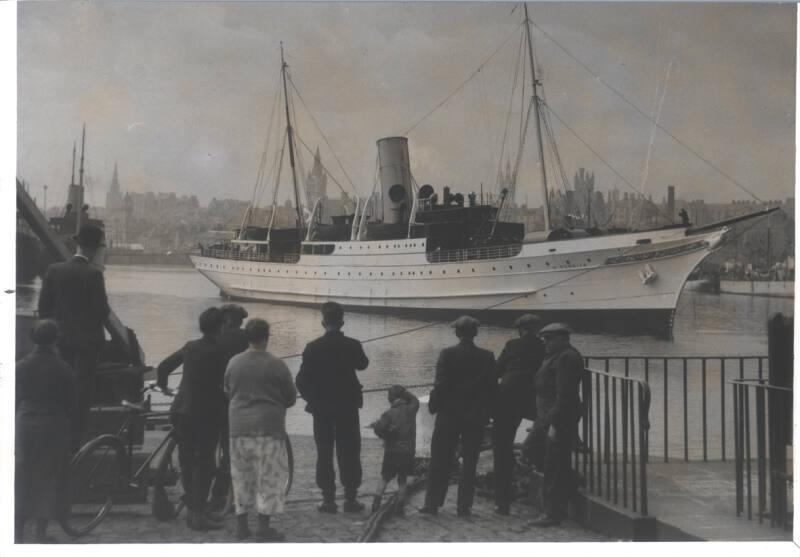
(633, 274)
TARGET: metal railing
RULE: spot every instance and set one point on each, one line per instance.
(471, 254)
(772, 416)
(243, 255)
(693, 417)
(613, 449)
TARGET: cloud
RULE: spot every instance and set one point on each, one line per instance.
(202, 78)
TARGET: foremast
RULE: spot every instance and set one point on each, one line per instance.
(290, 135)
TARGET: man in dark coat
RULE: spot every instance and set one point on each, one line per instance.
(196, 413)
(516, 367)
(461, 398)
(233, 340)
(45, 404)
(74, 295)
(327, 382)
(558, 412)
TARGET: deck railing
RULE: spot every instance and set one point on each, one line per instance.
(613, 449)
(244, 255)
(692, 418)
(471, 254)
(770, 424)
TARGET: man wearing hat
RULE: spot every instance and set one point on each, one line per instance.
(461, 398)
(518, 362)
(74, 295)
(557, 415)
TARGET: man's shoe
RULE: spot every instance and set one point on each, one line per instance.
(544, 522)
(433, 511)
(464, 512)
(353, 506)
(329, 507)
(502, 510)
(376, 503)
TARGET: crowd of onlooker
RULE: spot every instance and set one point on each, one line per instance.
(234, 394)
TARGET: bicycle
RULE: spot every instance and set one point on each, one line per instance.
(102, 470)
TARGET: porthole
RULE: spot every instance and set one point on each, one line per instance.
(529, 265)
(547, 263)
(493, 269)
(510, 267)
(473, 270)
(458, 271)
(444, 272)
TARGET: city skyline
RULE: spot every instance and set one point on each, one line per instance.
(179, 94)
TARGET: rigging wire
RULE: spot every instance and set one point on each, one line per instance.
(509, 111)
(604, 161)
(648, 118)
(461, 86)
(319, 129)
(333, 179)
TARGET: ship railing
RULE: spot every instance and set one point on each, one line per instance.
(763, 420)
(244, 255)
(470, 254)
(692, 418)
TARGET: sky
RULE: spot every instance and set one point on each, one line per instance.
(180, 94)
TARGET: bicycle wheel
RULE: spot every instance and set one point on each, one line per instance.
(221, 500)
(95, 477)
(167, 485)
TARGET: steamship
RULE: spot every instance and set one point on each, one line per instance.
(413, 249)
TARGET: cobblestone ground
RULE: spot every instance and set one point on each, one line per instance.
(302, 523)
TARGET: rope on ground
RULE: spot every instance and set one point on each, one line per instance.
(378, 518)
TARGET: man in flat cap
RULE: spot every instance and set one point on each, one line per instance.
(461, 398)
(74, 295)
(516, 367)
(557, 415)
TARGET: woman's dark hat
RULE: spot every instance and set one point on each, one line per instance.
(90, 236)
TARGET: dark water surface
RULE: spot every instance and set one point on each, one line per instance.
(162, 304)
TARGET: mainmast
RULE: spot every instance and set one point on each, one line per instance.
(537, 102)
(284, 65)
(79, 208)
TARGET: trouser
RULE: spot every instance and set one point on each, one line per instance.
(504, 429)
(447, 432)
(84, 361)
(559, 479)
(338, 429)
(535, 445)
(197, 441)
(222, 480)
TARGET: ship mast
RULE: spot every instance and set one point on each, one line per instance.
(537, 102)
(79, 208)
(284, 65)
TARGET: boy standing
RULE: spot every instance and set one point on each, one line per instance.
(398, 429)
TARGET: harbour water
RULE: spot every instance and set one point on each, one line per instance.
(162, 304)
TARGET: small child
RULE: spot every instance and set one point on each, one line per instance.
(398, 429)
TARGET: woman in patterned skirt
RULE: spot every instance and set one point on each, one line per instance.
(260, 389)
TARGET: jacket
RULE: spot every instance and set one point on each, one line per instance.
(516, 369)
(465, 384)
(557, 396)
(200, 391)
(45, 385)
(74, 294)
(327, 378)
(398, 426)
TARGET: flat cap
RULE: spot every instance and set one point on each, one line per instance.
(527, 321)
(465, 322)
(556, 329)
